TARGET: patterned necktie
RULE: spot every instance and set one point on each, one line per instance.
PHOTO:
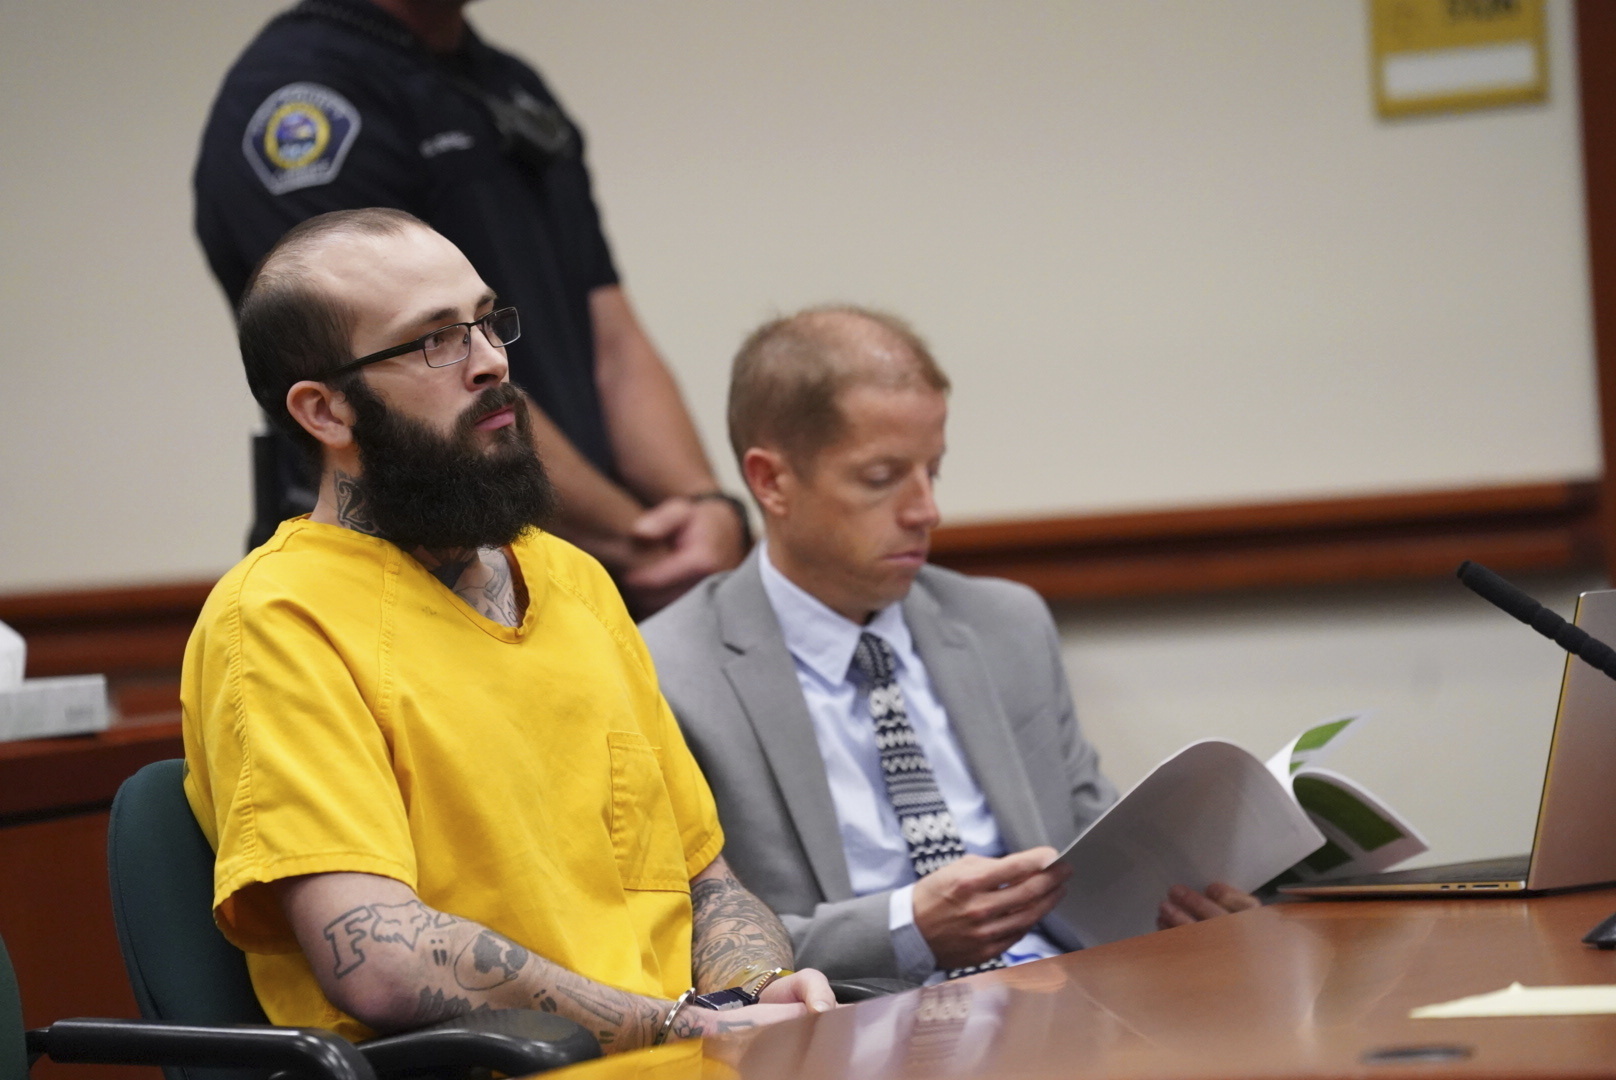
(923, 817)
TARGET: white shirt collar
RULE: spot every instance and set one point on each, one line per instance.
(823, 640)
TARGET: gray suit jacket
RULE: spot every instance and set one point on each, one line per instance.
(994, 659)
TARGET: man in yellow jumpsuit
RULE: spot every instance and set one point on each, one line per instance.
(424, 736)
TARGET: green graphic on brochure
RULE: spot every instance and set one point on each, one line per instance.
(1362, 834)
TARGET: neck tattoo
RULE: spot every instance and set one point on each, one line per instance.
(481, 578)
(351, 510)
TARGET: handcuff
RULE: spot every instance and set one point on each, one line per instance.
(735, 997)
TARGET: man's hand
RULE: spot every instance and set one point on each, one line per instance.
(1184, 905)
(693, 1022)
(791, 997)
(975, 908)
(683, 541)
(809, 987)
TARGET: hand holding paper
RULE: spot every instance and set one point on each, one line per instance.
(1214, 815)
(975, 908)
(1184, 905)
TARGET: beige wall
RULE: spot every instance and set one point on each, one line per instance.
(1463, 696)
(123, 413)
(1165, 249)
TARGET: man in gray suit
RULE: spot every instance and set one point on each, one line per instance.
(892, 745)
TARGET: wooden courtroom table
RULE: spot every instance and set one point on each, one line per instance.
(55, 909)
(1294, 990)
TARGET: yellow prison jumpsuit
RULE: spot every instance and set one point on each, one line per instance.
(344, 711)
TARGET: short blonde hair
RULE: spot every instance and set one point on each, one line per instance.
(790, 372)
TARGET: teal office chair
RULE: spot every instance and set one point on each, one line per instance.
(312, 1054)
(182, 968)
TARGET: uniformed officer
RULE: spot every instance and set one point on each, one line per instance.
(350, 103)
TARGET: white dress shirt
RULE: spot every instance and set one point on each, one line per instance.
(821, 643)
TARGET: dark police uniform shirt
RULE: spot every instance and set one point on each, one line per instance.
(334, 106)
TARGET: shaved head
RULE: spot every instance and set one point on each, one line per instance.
(791, 372)
(289, 325)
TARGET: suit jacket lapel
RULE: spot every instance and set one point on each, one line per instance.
(765, 679)
(958, 674)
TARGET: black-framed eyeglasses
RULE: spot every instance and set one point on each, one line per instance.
(448, 345)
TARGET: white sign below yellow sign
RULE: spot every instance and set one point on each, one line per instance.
(1446, 55)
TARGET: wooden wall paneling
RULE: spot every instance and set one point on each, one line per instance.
(134, 636)
(138, 635)
(56, 917)
(41, 778)
(55, 908)
(1520, 528)
(1596, 46)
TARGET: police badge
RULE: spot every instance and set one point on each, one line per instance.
(299, 136)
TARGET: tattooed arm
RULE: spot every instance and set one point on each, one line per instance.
(394, 963)
(735, 936)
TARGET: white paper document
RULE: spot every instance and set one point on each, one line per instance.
(1211, 812)
(1518, 1000)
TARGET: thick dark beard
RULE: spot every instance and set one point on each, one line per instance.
(425, 490)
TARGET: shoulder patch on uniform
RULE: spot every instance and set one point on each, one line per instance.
(299, 136)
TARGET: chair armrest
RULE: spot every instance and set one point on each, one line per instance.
(848, 991)
(512, 1041)
(309, 1051)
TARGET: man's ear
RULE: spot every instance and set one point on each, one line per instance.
(768, 474)
(323, 412)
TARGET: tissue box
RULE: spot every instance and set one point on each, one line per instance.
(13, 657)
(68, 705)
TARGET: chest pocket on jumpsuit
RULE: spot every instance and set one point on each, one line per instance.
(645, 833)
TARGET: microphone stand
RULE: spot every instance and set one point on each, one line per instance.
(1575, 640)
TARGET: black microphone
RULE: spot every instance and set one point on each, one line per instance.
(1495, 590)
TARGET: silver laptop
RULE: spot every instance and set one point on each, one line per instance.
(1575, 843)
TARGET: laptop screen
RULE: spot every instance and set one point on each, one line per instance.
(1576, 822)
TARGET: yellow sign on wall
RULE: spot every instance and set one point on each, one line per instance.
(1443, 55)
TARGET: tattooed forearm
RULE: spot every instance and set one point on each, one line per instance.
(618, 1020)
(433, 1006)
(593, 1004)
(489, 960)
(454, 966)
(389, 923)
(621, 1021)
(695, 1025)
(735, 934)
(352, 513)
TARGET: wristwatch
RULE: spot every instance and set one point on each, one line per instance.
(739, 996)
(755, 985)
